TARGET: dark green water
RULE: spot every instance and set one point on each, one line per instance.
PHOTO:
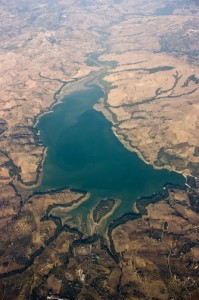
(83, 153)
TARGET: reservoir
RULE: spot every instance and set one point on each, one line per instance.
(83, 153)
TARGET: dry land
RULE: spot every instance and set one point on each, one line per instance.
(147, 55)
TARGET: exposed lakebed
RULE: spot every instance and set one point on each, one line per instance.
(83, 153)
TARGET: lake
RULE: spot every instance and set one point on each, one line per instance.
(84, 153)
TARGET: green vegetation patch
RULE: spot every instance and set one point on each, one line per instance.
(102, 209)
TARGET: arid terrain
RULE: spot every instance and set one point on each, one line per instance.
(146, 55)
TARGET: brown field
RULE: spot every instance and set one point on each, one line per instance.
(148, 53)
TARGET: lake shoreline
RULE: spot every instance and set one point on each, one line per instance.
(123, 174)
